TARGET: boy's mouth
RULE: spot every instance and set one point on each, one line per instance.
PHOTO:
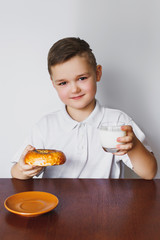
(77, 97)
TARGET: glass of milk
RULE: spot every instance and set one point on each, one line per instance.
(109, 132)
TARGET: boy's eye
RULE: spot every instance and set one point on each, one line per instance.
(62, 83)
(82, 78)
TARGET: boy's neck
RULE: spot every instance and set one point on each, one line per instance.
(80, 115)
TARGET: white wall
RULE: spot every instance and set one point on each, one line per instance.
(124, 35)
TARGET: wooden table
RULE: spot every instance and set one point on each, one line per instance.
(88, 209)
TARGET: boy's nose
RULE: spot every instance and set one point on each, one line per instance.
(75, 88)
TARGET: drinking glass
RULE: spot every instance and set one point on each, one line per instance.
(109, 132)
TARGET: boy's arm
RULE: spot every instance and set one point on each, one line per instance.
(21, 170)
(143, 161)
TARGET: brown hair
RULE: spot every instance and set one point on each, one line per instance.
(67, 48)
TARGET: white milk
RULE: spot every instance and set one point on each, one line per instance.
(109, 137)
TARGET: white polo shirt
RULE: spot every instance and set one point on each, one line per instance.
(80, 143)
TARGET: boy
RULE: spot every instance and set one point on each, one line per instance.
(74, 74)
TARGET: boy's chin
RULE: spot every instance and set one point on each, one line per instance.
(81, 105)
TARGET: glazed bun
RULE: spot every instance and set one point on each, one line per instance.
(44, 157)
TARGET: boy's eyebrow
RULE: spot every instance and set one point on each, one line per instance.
(60, 80)
(82, 74)
(85, 73)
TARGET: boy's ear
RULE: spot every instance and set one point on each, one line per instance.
(98, 73)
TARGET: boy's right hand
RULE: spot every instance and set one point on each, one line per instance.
(25, 171)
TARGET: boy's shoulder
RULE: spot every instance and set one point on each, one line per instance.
(55, 114)
(51, 118)
(111, 114)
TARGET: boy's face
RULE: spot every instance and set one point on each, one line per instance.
(75, 82)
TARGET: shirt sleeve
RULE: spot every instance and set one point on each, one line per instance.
(34, 139)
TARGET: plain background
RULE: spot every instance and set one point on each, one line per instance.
(124, 36)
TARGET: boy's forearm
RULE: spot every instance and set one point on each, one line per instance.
(143, 161)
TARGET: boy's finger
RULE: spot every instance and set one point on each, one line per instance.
(120, 153)
(126, 139)
(125, 147)
(126, 128)
(28, 148)
(32, 168)
(33, 172)
(27, 167)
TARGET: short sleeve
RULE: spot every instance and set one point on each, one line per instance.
(34, 139)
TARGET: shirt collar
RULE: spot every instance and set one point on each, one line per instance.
(96, 116)
(94, 119)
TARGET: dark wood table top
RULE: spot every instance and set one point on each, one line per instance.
(88, 209)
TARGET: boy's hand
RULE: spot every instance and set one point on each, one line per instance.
(27, 171)
(128, 141)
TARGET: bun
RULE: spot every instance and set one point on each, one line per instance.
(44, 157)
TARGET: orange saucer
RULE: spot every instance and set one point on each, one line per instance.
(30, 204)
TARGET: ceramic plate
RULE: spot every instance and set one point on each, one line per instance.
(30, 204)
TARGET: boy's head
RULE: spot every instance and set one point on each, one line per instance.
(67, 48)
(74, 74)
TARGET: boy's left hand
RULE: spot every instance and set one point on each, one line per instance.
(128, 141)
